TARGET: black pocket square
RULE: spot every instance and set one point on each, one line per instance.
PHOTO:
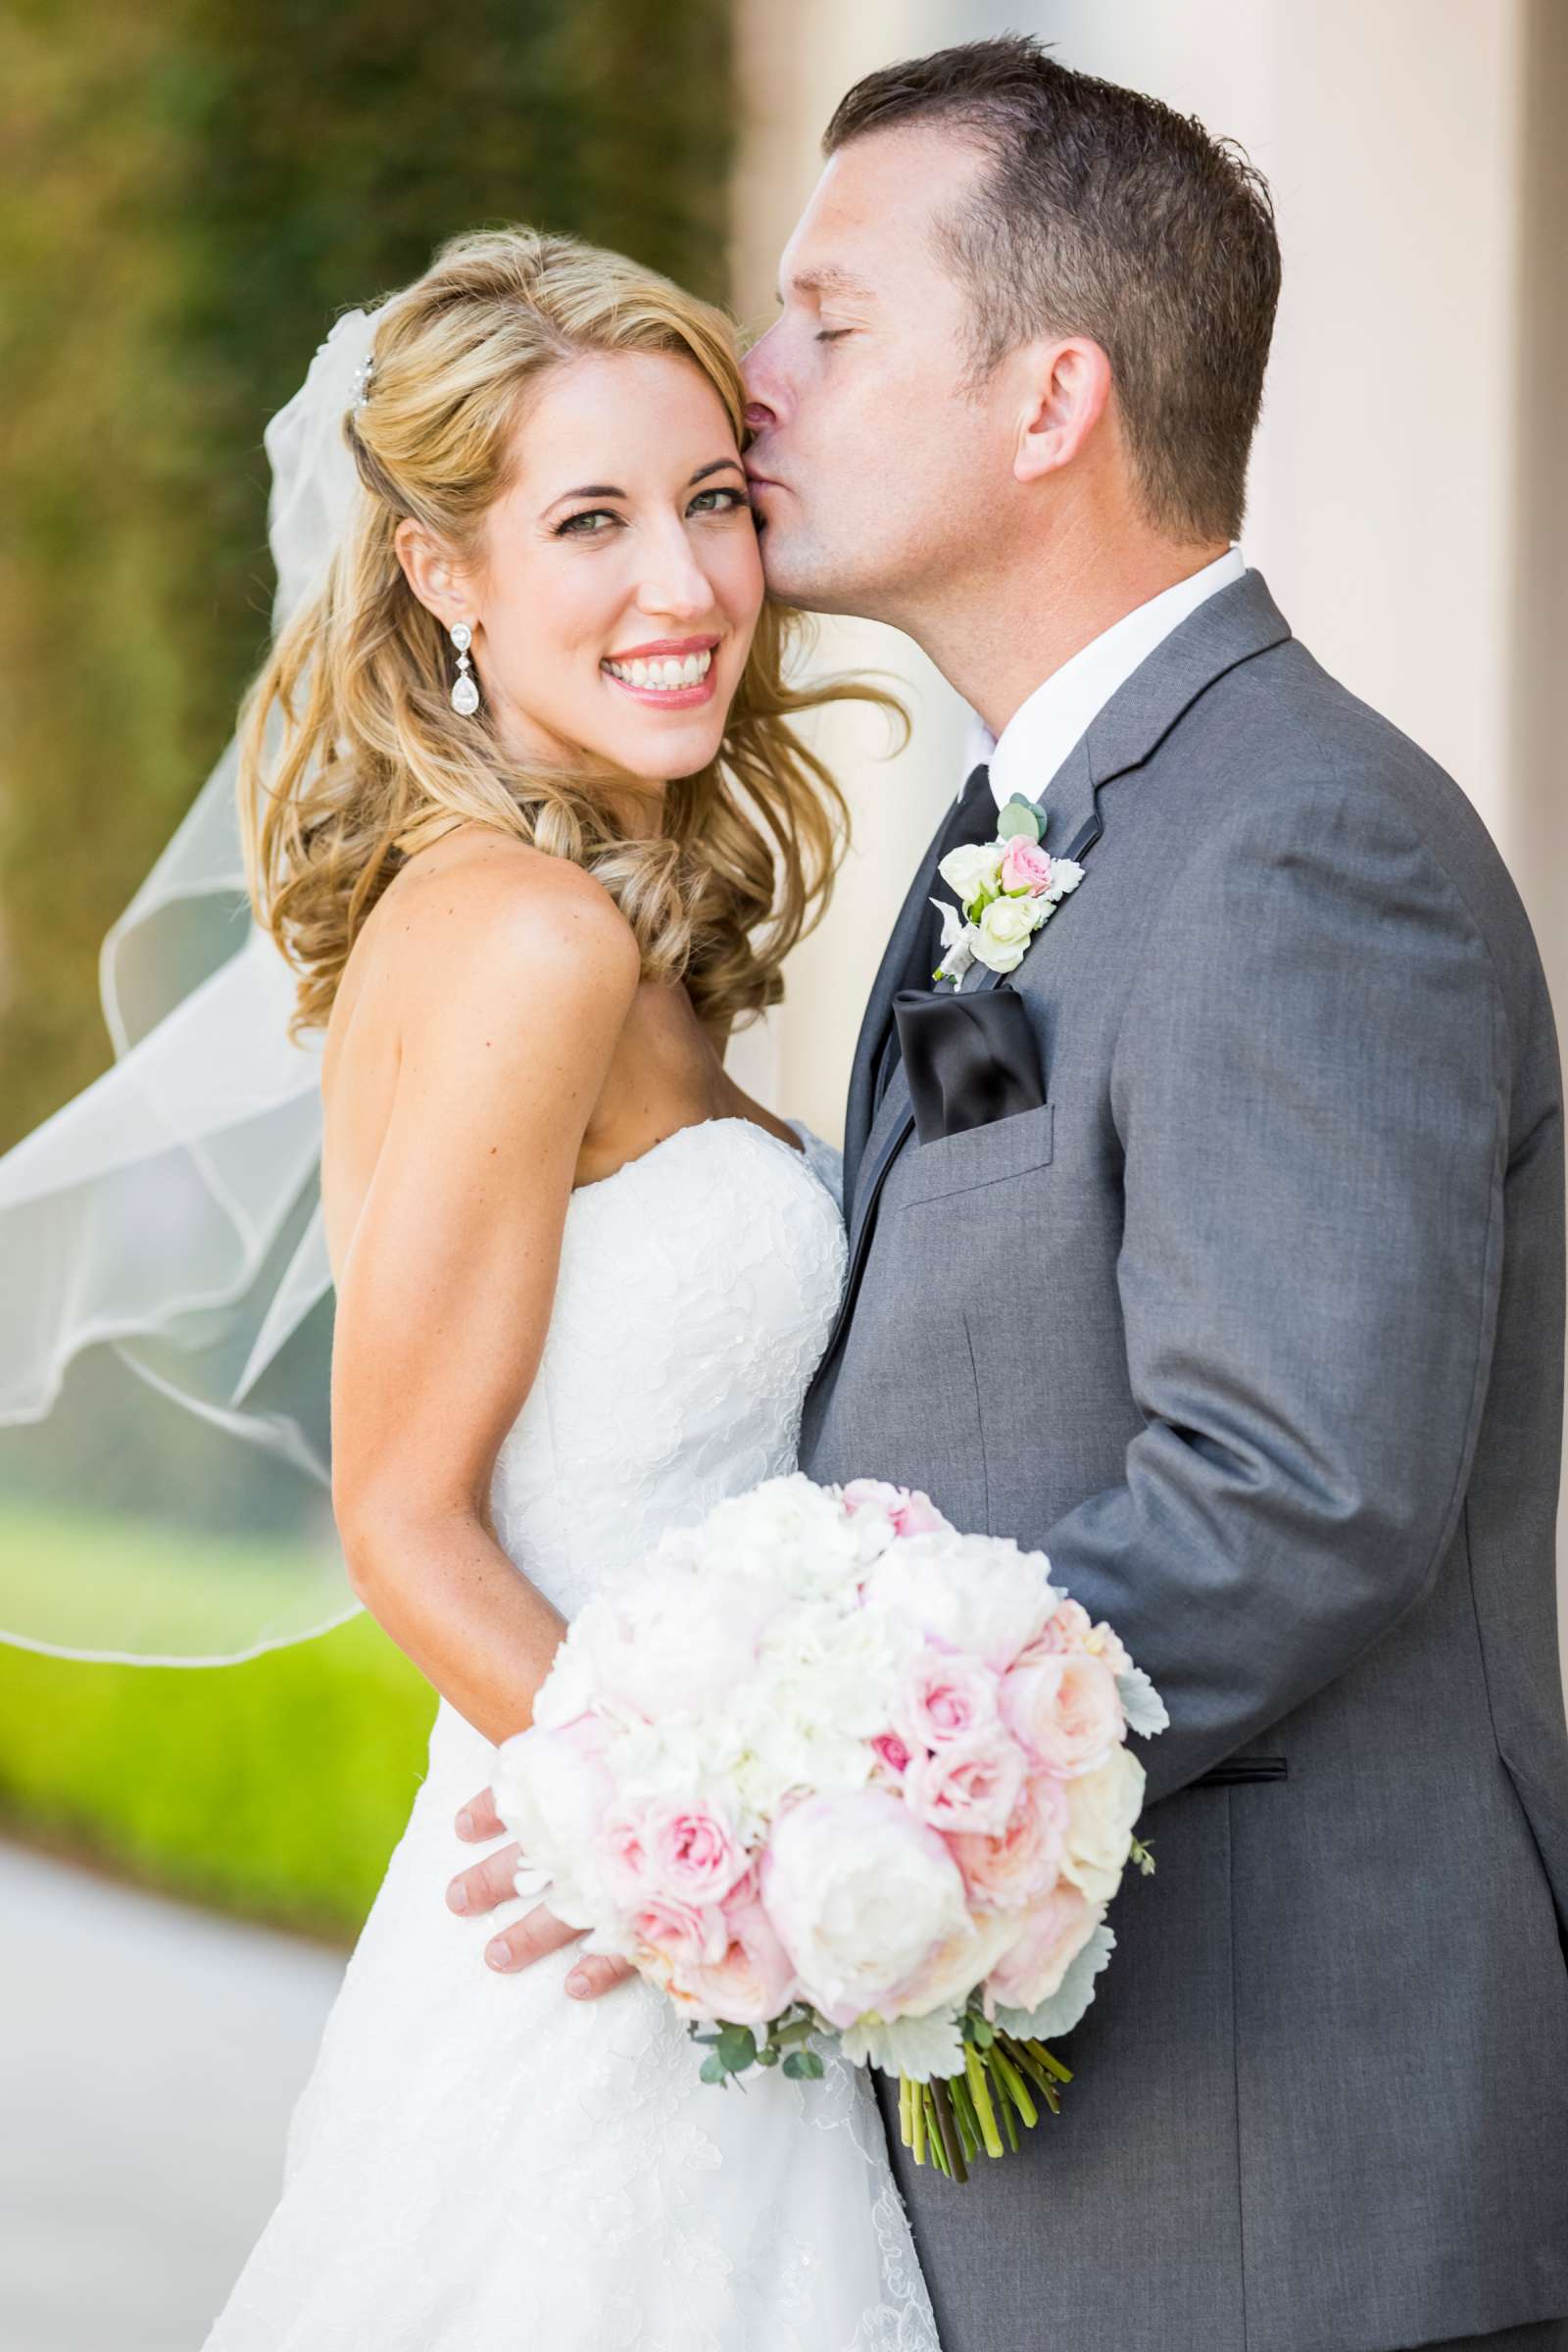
(968, 1059)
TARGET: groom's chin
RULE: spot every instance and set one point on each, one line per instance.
(793, 579)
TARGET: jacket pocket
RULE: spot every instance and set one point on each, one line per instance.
(989, 1154)
(1237, 1771)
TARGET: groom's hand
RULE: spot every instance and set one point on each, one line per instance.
(538, 1932)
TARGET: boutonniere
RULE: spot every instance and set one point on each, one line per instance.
(1007, 889)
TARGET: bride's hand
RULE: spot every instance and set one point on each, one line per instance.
(538, 1932)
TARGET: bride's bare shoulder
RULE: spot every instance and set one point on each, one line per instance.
(481, 914)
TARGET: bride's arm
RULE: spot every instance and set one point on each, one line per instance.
(513, 982)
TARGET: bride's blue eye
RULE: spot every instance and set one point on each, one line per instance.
(588, 515)
(737, 499)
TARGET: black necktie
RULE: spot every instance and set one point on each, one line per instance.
(971, 817)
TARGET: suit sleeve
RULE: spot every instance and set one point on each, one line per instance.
(1310, 1081)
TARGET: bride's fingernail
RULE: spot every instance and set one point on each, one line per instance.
(458, 1897)
(577, 1983)
(498, 1955)
(464, 1825)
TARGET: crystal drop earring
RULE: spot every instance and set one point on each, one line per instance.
(464, 691)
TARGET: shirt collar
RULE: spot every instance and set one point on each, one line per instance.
(1044, 729)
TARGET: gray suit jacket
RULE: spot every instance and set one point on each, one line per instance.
(1256, 1327)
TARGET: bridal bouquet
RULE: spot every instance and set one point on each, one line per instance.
(828, 1771)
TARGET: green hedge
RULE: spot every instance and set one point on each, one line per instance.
(275, 1789)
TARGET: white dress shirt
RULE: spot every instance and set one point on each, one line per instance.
(1043, 730)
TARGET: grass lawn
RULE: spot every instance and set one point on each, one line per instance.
(275, 1789)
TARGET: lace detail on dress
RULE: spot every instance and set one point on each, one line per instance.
(479, 2164)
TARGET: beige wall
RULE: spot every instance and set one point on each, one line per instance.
(1409, 491)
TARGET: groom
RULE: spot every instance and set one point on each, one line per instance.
(1249, 1310)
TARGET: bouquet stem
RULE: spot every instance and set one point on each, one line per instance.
(954, 2166)
(947, 2122)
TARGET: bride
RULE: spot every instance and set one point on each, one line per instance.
(523, 811)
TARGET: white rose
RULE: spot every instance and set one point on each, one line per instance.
(978, 1594)
(788, 1533)
(1102, 1810)
(1005, 930)
(673, 1638)
(974, 866)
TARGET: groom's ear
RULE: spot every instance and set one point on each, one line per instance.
(1064, 387)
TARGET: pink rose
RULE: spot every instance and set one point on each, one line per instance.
(1015, 1869)
(970, 1789)
(1066, 1710)
(1069, 1628)
(1108, 1647)
(1066, 1628)
(679, 1934)
(692, 1852)
(753, 1980)
(1025, 867)
(891, 1750)
(946, 1697)
(1055, 1933)
(910, 1513)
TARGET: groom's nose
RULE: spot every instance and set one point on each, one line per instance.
(762, 390)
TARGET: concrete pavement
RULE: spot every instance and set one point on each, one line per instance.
(150, 2056)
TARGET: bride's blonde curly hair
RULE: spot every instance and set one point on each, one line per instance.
(350, 759)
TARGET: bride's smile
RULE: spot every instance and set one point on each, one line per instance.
(619, 582)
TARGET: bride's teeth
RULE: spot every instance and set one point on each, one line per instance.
(667, 674)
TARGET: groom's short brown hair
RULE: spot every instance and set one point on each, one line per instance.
(1106, 214)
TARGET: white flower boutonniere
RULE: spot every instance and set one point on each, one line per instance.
(1007, 889)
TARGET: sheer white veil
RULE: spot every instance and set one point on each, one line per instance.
(165, 1293)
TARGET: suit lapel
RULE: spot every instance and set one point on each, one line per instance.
(891, 976)
(1233, 625)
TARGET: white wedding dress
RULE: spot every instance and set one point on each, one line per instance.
(480, 2163)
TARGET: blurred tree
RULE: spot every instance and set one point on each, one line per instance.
(195, 191)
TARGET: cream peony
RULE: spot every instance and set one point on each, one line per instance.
(1103, 1808)
(861, 1895)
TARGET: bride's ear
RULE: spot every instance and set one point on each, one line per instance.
(433, 573)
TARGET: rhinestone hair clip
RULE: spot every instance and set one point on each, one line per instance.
(361, 380)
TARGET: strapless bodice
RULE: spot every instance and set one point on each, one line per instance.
(696, 1290)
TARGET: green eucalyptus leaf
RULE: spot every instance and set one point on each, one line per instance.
(714, 2069)
(803, 2066)
(737, 2048)
(1018, 817)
